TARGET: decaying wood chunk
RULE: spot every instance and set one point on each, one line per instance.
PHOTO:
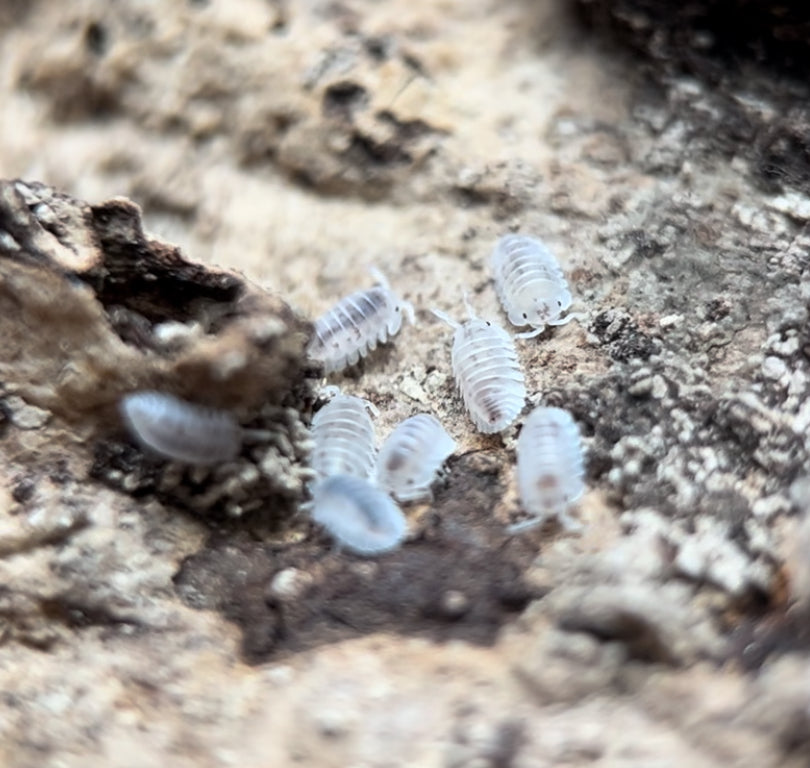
(92, 308)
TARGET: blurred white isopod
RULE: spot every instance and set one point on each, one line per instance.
(412, 455)
(182, 431)
(530, 284)
(343, 439)
(356, 324)
(550, 468)
(360, 516)
(487, 372)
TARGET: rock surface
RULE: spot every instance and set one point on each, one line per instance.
(153, 615)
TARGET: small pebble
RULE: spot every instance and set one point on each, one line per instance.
(670, 321)
(289, 583)
(454, 604)
(26, 416)
(773, 368)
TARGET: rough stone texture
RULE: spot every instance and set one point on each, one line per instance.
(145, 619)
(94, 309)
(733, 51)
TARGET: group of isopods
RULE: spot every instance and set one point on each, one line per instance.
(354, 486)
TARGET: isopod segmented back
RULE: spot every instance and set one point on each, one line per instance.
(487, 372)
(356, 324)
(343, 439)
(550, 466)
(412, 455)
(530, 284)
(179, 430)
(360, 516)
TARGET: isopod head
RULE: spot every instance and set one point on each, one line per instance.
(530, 284)
(540, 309)
(395, 307)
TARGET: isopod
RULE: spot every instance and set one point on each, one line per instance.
(530, 284)
(550, 467)
(412, 455)
(343, 439)
(179, 430)
(487, 372)
(356, 324)
(360, 516)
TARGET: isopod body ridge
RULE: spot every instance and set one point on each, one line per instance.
(179, 430)
(411, 457)
(357, 324)
(550, 467)
(487, 372)
(343, 439)
(530, 285)
(360, 516)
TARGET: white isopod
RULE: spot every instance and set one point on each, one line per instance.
(360, 516)
(530, 284)
(487, 372)
(412, 455)
(182, 431)
(356, 324)
(550, 468)
(343, 439)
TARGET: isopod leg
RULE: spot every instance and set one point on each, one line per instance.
(524, 525)
(259, 436)
(579, 316)
(409, 312)
(379, 278)
(566, 521)
(530, 334)
(469, 307)
(444, 317)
